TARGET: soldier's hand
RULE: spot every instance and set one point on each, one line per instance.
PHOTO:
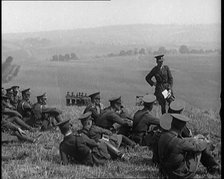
(21, 131)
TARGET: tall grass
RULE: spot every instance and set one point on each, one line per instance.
(43, 159)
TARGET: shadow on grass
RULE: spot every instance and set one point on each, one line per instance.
(141, 161)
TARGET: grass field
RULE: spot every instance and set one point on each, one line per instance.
(197, 81)
(197, 78)
(43, 159)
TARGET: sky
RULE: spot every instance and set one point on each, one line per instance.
(33, 16)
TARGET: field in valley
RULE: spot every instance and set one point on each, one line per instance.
(197, 78)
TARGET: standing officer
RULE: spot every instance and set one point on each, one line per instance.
(143, 119)
(164, 81)
(179, 157)
(45, 115)
(95, 106)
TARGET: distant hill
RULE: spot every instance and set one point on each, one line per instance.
(170, 36)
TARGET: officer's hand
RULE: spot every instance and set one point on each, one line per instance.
(109, 133)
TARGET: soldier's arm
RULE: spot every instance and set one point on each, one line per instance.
(8, 111)
(89, 142)
(117, 119)
(102, 130)
(9, 125)
(151, 120)
(63, 155)
(170, 77)
(51, 110)
(191, 145)
(26, 106)
(149, 76)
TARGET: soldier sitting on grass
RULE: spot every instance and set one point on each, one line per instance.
(95, 106)
(143, 119)
(99, 134)
(111, 116)
(9, 102)
(45, 116)
(79, 148)
(10, 130)
(16, 95)
(176, 107)
(179, 157)
(13, 116)
(25, 108)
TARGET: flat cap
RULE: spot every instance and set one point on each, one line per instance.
(149, 98)
(176, 106)
(9, 91)
(64, 126)
(180, 117)
(159, 57)
(13, 87)
(115, 100)
(4, 96)
(86, 116)
(62, 123)
(95, 95)
(26, 91)
(165, 121)
(42, 96)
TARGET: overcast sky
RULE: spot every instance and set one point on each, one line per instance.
(31, 16)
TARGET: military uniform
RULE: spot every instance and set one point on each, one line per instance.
(44, 116)
(108, 117)
(25, 108)
(95, 108)
(16, 96)
(142, 120)
(10, 131)
(13, 116)
(80, 148)
(164, 80)
(179, 157)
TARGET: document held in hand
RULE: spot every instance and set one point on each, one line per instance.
(166, 93)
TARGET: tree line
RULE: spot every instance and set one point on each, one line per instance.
(183, 49)
(65, 57)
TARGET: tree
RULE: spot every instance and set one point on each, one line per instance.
(67, 57)
(61, 57)
(73, 56)
(162, 50)
(142, 51)
(55, 58)
(183, 49)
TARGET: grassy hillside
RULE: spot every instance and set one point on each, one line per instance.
(197, 78)
(43, 159)
(148, 34)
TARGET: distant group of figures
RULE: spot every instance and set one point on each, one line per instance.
(78, 99)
